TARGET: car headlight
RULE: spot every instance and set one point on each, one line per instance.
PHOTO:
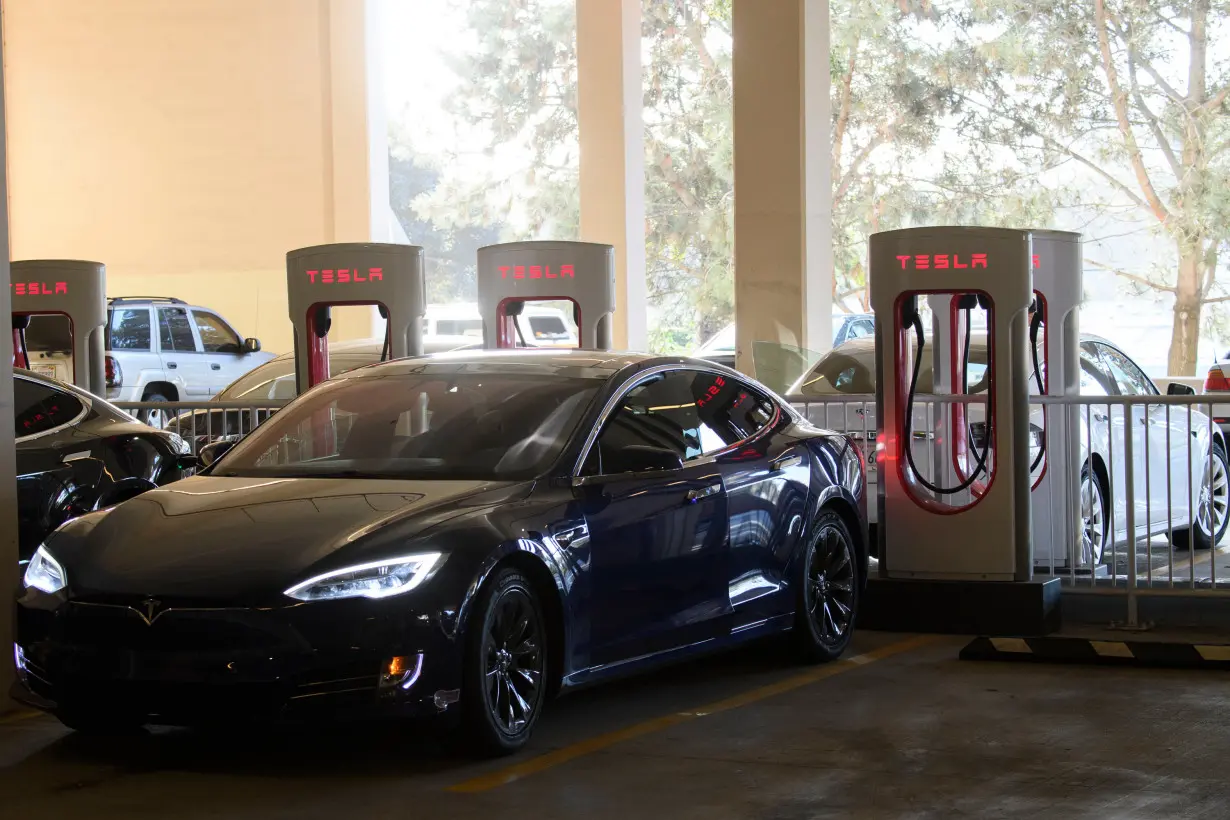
(379, 579)
(45, 573)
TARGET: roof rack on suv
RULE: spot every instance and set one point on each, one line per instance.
(119, 300)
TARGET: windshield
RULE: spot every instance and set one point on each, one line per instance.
(452, 425)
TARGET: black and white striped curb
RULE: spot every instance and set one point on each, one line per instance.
(1059, 649)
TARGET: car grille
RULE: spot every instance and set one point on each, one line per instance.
(113, 626)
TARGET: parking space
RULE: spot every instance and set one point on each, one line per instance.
(899, 728)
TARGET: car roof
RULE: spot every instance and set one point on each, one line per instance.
(593, 364)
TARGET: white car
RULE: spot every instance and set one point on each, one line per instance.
(1105, 371)
(537, 325)
(720, 347)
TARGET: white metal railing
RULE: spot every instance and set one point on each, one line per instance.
(204, 422)
(1165, 488)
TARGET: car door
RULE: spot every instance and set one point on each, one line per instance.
(658, 539)
(181, 356)
(221, 348)
(767, 477)
(1149, 425)
(49, 459)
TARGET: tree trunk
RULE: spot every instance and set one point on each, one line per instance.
(1188, 301)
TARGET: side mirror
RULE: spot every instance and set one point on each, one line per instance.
(1178, 389)
(212, 452)
(189, 462)
(641, 458)
(251, 345)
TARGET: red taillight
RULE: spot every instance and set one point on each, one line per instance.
(115, 374)
(1215, 381)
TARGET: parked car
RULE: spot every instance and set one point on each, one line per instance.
(720, 348)
(77, 453)
(1218, 381)
(275, 381)
(1105, 371)
(467, 534)
(162, 349)
(538, 325)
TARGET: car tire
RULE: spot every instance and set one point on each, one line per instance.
(827, 591)
(1096, 519)
(1217, 486)
(506, 667)
(152, 417)
(102, 723)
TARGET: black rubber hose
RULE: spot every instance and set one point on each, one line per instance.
(909, 427)
(1034, 325)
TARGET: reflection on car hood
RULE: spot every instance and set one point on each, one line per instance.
(215, 537)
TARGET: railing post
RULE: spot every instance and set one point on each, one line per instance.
(1129, 478)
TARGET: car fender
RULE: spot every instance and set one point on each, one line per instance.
(550, 559)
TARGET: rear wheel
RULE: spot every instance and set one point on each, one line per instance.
(828, 591)
(155, 417)
(1094, 517)
(506, 665)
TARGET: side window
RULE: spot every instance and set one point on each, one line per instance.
(216, 335)
(128, 329)
(1131, 379)
(662, 413)
(174, 330)
(38, 408)
(1096, 380)
(730, 408)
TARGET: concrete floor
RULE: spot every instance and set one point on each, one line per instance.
(905, 731)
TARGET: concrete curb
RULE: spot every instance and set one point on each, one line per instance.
(1058, 649)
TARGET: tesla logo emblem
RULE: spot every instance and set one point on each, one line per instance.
(536, 272)
(40, 288)
(940, 261)
(345, 275)
(151, 607)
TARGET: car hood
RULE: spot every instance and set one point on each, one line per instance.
(235, 538)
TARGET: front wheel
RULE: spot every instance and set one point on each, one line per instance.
(828, 591)
(155, 417)
(1212, 504)
(506, 665)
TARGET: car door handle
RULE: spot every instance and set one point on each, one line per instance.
(215, 366)
(785, 462)
(171, 365)
(703, 492)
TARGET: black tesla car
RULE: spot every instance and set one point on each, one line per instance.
(77, 453)
(462, 534)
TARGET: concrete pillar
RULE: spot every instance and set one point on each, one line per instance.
(8, 459)
(609, 105)
(783, 189)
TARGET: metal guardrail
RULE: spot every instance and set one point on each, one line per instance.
(204, 422)
(1162, 479)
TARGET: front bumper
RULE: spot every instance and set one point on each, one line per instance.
(194, 665)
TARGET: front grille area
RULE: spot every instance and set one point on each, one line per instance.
(108, 626)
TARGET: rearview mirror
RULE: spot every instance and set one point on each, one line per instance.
(640, 458)
(212, 452)
(251, 345)
(1179, 389)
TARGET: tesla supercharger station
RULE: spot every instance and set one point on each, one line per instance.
(954, 483)
(511, 274)
(360, 273)
(64, 287)
(1057, 265)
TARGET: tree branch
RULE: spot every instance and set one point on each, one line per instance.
(843, 115)
(1161, 83)
(1119, 97)
(1217, 100)
(1140, 280)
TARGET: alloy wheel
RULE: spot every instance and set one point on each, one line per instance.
(830, 585)
(1093, 522)
(513, 661)
(1214, 497)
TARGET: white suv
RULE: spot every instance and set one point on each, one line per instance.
(163, 349)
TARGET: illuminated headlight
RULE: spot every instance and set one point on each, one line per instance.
(379, 579)
(180, 446)
(44, 573)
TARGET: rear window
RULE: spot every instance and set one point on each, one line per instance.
(128, 329)
(548, 327)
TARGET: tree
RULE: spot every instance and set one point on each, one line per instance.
(1131, 94)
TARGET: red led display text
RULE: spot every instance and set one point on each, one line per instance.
(536, 272)
(330, 276)
(711, 393)
(941, 261)
(39, 288)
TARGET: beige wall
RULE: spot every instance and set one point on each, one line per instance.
(190, 144)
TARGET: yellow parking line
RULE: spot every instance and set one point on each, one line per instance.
(24, 714)
(518, 771)
(1186, 563)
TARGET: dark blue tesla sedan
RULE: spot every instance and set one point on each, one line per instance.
(465, 534)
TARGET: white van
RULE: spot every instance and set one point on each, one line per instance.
(539, 325)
